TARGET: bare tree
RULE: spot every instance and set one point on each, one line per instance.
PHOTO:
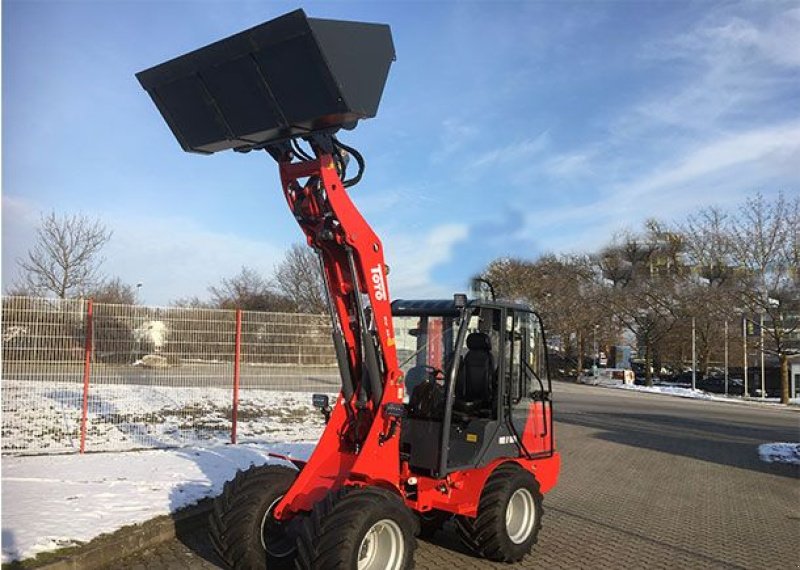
(709, 244)
(644, 274)
(765, 241)
(193, 302)
(250, 291)
(559, 289)
(113, 291)
(711, 296)
(298, 278)
(65, 260)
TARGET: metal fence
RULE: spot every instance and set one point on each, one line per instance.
(82, 375)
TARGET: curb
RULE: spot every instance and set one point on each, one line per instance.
(103, 551)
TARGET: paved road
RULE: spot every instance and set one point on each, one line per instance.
(647, 481)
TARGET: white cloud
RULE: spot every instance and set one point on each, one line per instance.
(766, 146)
(171, 256)
(514, 152)
(570, 164)
(715, 136)
(722, 171)
(175, 257)
(413, 256)
(19, 223)
(455, 135)
(730, 68)
(776, 41)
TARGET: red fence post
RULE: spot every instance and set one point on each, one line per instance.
(236, 358)
(87, 369)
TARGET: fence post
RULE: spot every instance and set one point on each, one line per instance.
(87, 369)
(236, 358)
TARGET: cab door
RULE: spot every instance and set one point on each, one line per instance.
(528, 403)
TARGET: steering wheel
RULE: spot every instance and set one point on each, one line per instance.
(436, 373)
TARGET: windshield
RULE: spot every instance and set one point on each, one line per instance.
(425, 341)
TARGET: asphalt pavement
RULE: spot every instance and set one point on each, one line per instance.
(647, 481)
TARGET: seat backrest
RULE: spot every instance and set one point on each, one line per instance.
(474, 381)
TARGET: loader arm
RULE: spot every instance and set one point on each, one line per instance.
(360, 442)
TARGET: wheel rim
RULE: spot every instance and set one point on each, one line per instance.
(273, 535)
(382, 547)
(520, 516)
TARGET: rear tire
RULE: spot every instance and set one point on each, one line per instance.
(358, 529)
(509, 516)
(243, 532)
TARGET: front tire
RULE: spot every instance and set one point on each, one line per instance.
(242, 529)
(358, 529)
(509, 516)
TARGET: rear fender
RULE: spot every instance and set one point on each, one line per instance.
(460, 492)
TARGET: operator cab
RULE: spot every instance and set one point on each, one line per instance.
(476, 380)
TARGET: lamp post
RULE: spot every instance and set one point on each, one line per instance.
(726, 357)
(744, 354)
(761, 348)
(694, 355)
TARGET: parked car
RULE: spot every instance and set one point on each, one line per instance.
(716, 385)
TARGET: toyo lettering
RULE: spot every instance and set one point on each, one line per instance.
(378, 282)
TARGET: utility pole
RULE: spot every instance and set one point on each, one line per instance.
(726, 357)
(744, 351)
(761, 331)
(694, 356)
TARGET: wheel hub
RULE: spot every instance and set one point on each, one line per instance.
(382, 547)
(274, 540)
(520, 516)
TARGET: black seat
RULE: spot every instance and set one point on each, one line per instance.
(475, 375)
(426, 397)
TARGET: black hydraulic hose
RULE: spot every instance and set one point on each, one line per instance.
(299, 151)
(359, 159)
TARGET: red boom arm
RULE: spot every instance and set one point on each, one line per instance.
(360, 443)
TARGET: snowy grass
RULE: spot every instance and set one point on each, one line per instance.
(780, 453)
(51, 502)
(142, 416)
(684, 392)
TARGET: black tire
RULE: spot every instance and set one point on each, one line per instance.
(487, 534)
(241, 530)
(431, 522)
(334, 535)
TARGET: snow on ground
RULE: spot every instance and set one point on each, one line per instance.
(50, 502)
(146, 416)
(780, 453)
(684, 392)
(670, 390)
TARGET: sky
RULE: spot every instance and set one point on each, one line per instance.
(505, 129)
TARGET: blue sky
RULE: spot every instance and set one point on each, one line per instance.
(506, 128)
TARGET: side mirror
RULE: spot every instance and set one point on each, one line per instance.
(322, 403)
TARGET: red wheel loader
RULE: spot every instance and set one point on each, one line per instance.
(445, 407)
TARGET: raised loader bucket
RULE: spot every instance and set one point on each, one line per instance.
(285, 78)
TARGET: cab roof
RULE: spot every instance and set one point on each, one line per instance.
(447, 307)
